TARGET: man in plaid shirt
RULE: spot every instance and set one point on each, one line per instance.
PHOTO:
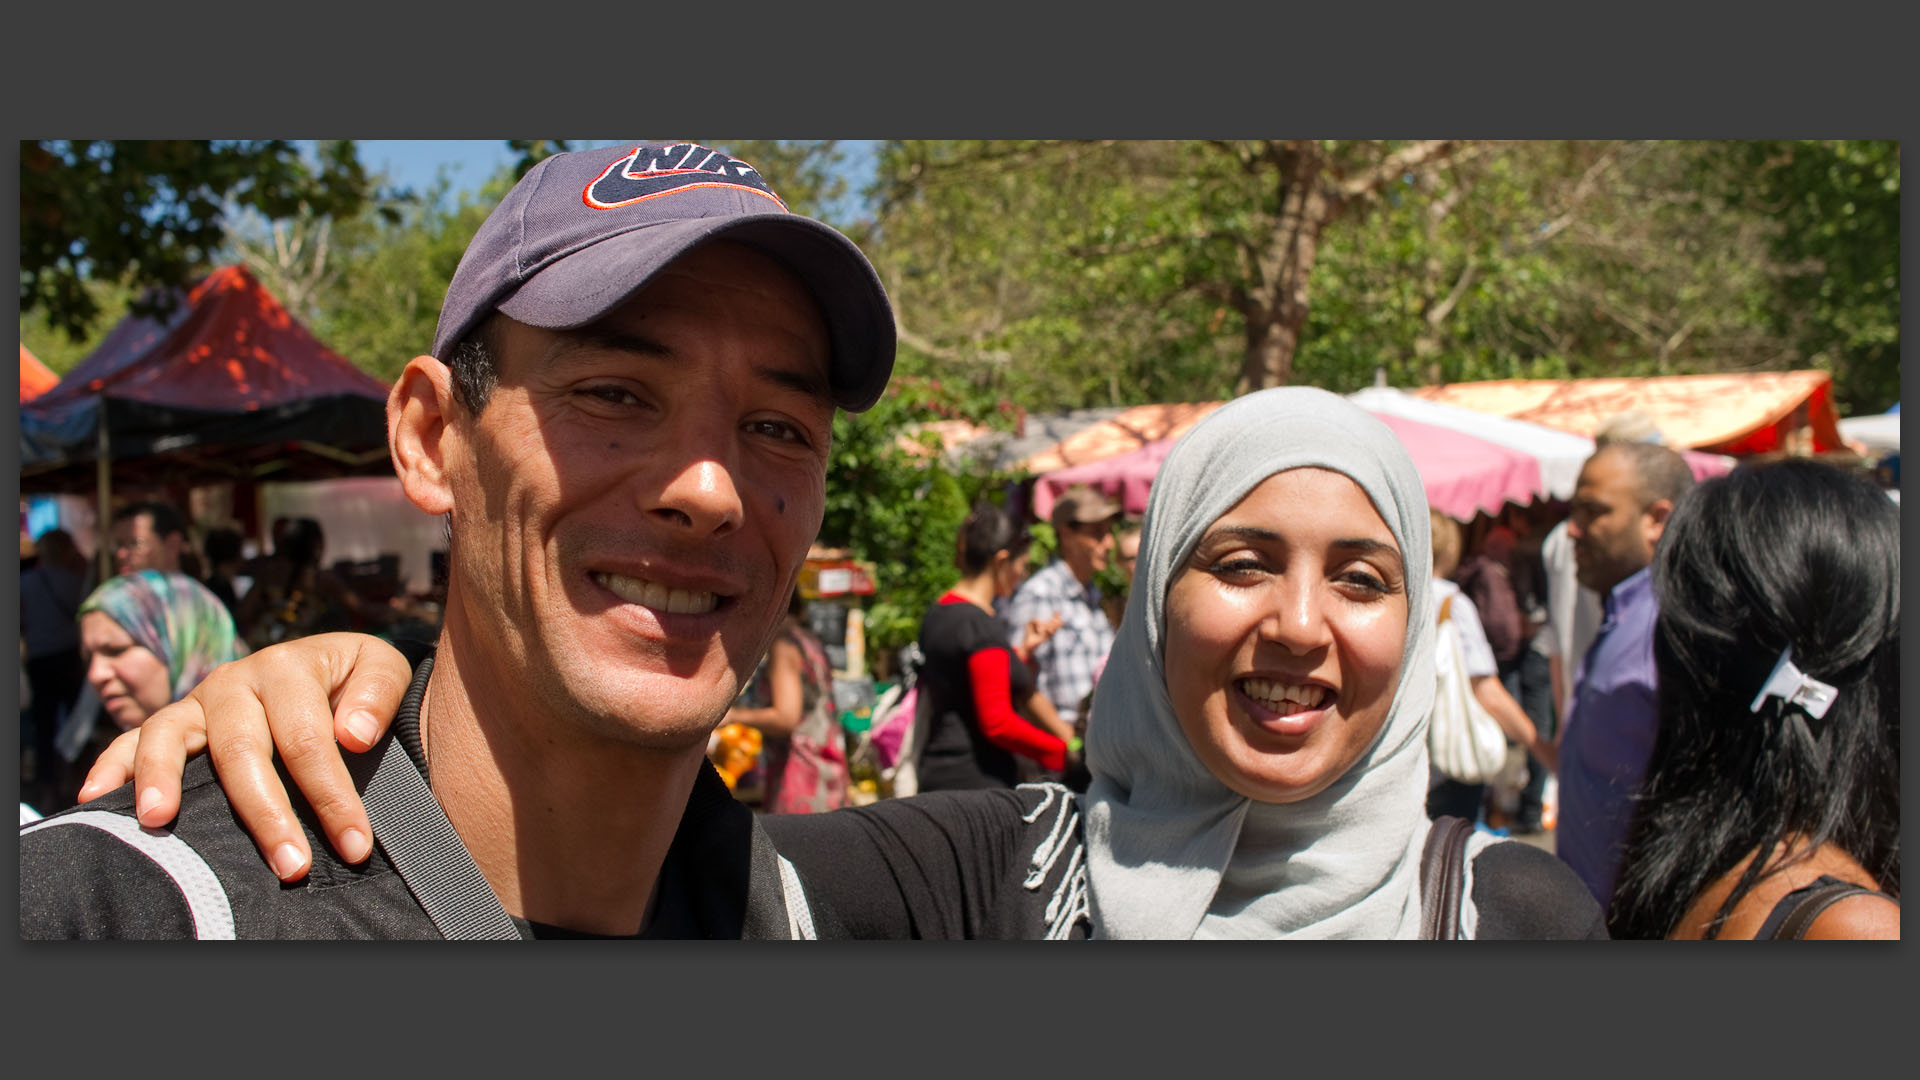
(1066, 662)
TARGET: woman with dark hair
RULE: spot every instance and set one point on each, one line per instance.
(977, 696)
(790, 701)
(1776, 774)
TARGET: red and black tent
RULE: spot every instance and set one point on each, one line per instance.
(228, 387)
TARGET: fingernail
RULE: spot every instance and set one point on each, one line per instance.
(354, 845)
(149, 798)
(286, 861)
(86, 792)
(363, 726)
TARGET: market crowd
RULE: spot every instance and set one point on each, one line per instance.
(1664, 709)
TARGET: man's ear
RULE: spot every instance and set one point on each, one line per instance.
(1657, 514)
(418, 434)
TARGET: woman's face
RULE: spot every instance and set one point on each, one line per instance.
(1009, 570)
(1284, 635)
(132, 682)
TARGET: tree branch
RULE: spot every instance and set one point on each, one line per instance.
(1411, 156)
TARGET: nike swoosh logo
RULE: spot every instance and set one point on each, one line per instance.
(677, 168)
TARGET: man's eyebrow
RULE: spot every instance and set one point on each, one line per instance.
(811, 383)
(613, 339)
(608, 338)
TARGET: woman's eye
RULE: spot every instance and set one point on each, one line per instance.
(1237, 566)
(1366, 581)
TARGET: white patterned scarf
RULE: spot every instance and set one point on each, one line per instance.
(1173, 852)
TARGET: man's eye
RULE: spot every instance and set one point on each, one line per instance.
(615, 395)
(778, 429)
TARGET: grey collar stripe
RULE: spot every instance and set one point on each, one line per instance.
(799, 915)
(428, 855)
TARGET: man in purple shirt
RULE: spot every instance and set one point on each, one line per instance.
(1620, 507)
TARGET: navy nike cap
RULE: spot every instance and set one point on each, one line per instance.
(581, 232)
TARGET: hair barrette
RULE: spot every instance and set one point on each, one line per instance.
(1795, 687)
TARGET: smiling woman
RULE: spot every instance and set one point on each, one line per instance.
(1258, 741)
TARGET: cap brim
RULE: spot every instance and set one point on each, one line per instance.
(579, 288)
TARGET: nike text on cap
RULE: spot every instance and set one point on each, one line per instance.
(581, 232)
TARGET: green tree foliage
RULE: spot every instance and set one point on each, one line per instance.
(153, 212)
(1835, 207)
(382, 309)
(1072, 274)
(902, 510)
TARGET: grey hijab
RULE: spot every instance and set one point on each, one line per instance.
(1172, 852)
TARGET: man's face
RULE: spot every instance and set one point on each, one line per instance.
(1085, 546)
(1612, 532)
(633, 505)
(137, 547)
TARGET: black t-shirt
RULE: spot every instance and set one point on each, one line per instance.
(1004, 863)
(955, 753)
(1011, 864)
(93, 872)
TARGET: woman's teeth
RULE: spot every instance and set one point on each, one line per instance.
(658, 597)
(1283, 697)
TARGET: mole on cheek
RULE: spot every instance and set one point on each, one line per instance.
(613, 446)
(780, 504)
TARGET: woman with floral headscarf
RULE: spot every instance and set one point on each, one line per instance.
(1257, 742)
(149, 637)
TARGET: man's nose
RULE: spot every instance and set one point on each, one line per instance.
(701, 494)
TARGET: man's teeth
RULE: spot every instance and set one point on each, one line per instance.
(1279, 696)
(656, 596)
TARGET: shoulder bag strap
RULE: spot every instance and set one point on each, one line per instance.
(1443, 871)
(414, 833)
(1798, 921)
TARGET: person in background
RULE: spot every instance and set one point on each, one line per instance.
(790, 701)
(1506, 575)
(1625, 494)
(1775, 777)
(51, 589)
(225, 556)
(1445, 795)
(1064, 589)
(148, 535)
(978, 696)
(149, 637)
(297, 595)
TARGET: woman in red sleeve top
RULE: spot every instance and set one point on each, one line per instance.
(978, 704)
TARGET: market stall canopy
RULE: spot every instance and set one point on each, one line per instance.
(1747, 413)
(227, 386)
(1560, 454)
(35, 377)
(1470, 463)
(1879, 434)
(1130, 430)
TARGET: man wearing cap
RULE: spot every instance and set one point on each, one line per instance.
(1067, 662)
(625, 419)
